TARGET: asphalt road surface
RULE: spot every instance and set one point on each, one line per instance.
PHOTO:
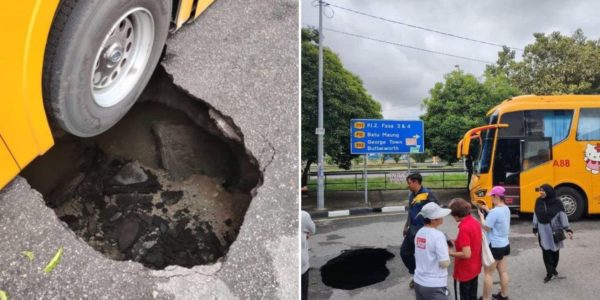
(241, 57)
(579, 264)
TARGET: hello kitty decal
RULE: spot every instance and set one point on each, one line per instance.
(592, 158)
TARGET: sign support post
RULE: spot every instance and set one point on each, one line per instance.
(366, 180)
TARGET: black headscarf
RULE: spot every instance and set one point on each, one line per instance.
(546, 208)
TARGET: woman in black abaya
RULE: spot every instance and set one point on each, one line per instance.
(549, 216)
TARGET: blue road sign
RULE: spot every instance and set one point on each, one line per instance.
(386, 136)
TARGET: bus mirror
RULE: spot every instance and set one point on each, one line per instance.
(463, 147)
(459, 149)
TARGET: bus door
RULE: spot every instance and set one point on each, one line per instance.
(535, 152)
(507, 168)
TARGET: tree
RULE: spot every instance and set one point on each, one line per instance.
(459, 104)
(344, 98)
(419, 157)
(396, 157)
(358, 160)
(554, 64)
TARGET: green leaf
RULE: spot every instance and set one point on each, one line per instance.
(54, 262)
(29, 255)
(3, 295)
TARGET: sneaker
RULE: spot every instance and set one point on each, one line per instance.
(498, 296)
(547, 278)
(411, 284)
(555, 273)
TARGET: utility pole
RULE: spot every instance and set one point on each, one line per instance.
(320, 131)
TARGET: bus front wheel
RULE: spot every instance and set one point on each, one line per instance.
(572, 201)
(99, 57)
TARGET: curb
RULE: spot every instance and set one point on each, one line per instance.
(355, 211)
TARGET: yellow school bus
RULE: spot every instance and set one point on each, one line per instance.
(532, 140)
(79, 65)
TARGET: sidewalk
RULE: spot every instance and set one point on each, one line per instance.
(341, 203)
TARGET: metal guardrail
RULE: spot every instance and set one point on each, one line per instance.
(390, 179)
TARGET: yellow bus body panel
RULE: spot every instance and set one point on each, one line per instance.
(23, 123)
(184, 12)
(567, 165)
(202, 6)
(9, 168)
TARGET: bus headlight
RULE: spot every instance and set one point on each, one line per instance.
(480, 193)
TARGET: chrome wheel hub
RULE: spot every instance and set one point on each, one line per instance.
(569, 203)
(122, 57)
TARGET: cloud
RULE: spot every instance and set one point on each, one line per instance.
(401, 78)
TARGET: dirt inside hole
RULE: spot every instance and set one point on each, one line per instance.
(356, 268)
(159, 188)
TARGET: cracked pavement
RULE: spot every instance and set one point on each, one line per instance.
(242, 59)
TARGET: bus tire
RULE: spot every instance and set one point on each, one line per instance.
(99, 57)
(572, 201)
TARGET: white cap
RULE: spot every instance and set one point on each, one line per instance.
(433, 211)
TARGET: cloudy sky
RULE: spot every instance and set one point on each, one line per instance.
(400, 78)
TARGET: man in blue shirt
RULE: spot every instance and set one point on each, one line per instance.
(418, 197)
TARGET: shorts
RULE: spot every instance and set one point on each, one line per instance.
(431, 293)
(499, 253)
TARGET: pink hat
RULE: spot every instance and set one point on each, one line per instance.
(497, 191)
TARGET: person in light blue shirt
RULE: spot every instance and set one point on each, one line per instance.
(497, 227)
(498, 222)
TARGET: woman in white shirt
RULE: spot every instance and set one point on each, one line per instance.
(432, 256)
(308, 229)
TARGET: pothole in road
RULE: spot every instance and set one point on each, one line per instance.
(356, 268)
(165, 186)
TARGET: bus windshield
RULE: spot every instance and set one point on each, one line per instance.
(482, 163)
(485, 155)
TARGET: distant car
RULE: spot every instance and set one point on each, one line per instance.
(84, 63)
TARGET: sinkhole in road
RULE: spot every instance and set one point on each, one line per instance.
(356, 268)
(168, 185)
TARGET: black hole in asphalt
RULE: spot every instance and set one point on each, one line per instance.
(162, 187)
(356, 268)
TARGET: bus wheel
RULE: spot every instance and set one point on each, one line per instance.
(572, 201)
(99, 57)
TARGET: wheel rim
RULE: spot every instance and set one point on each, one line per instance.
(569, 203)
(122, 57)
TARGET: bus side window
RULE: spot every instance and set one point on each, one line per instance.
(554, 124)
(536, 152)
(588, 128)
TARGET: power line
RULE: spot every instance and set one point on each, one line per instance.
(404, 45)
(409, 47)
(420, 27)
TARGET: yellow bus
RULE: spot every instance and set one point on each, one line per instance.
(79, 65)
(532, 140)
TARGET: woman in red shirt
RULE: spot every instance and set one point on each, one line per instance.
(467, 254)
